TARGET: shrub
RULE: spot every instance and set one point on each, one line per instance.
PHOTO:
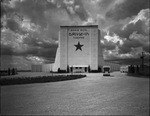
(39, 79)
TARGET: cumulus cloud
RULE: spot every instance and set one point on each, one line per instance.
(12, 41)
(138, 24)
(108, 45)
(110, 42)
(126, 9)
(134, 34)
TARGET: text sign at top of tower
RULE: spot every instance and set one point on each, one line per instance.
(78, 33)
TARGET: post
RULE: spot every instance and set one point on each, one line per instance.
(142, 58)
(72, 71)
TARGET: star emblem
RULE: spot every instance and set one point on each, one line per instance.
(78, 46)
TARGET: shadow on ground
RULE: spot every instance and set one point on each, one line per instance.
(138, 75)
(108, 76)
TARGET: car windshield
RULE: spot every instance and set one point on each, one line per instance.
(106, 69)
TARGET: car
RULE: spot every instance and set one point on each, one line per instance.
(124, 69)
(106, 70)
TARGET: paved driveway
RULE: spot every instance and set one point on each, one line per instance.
(92, 95)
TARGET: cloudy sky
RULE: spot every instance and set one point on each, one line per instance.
(29, 28)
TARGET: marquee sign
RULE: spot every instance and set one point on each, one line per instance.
(78, 33)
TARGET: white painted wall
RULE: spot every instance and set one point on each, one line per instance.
(94, 49)
(57, 61)
(63, 48)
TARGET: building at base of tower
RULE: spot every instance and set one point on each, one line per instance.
(79, 49)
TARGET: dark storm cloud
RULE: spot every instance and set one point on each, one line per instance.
(6, 50)
(126, 31)
(40, 47)
(117, 28)
(34, 10)
(13, 25)
(46, 53)
(136, 40)
(106, 3)
(29, 45)
(146, 48)
(43, 50)
(50, 15)
(9, 17)
(134, 34)
(3, 11)
(81, 12)
(108, 45)
(127, 46)
(128, 8)
(5, 8)
(45, 13)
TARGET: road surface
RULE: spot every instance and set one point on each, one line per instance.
(93, 95)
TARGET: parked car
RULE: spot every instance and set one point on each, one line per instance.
(124, 69)
(106, 70)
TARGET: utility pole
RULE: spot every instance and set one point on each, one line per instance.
(142, 58)
(72, 71)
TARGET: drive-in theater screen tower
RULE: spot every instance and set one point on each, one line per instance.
(79, 49)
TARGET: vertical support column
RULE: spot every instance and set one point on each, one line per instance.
(94, 49)
(63, 48)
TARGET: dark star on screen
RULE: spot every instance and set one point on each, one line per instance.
(78, 46)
